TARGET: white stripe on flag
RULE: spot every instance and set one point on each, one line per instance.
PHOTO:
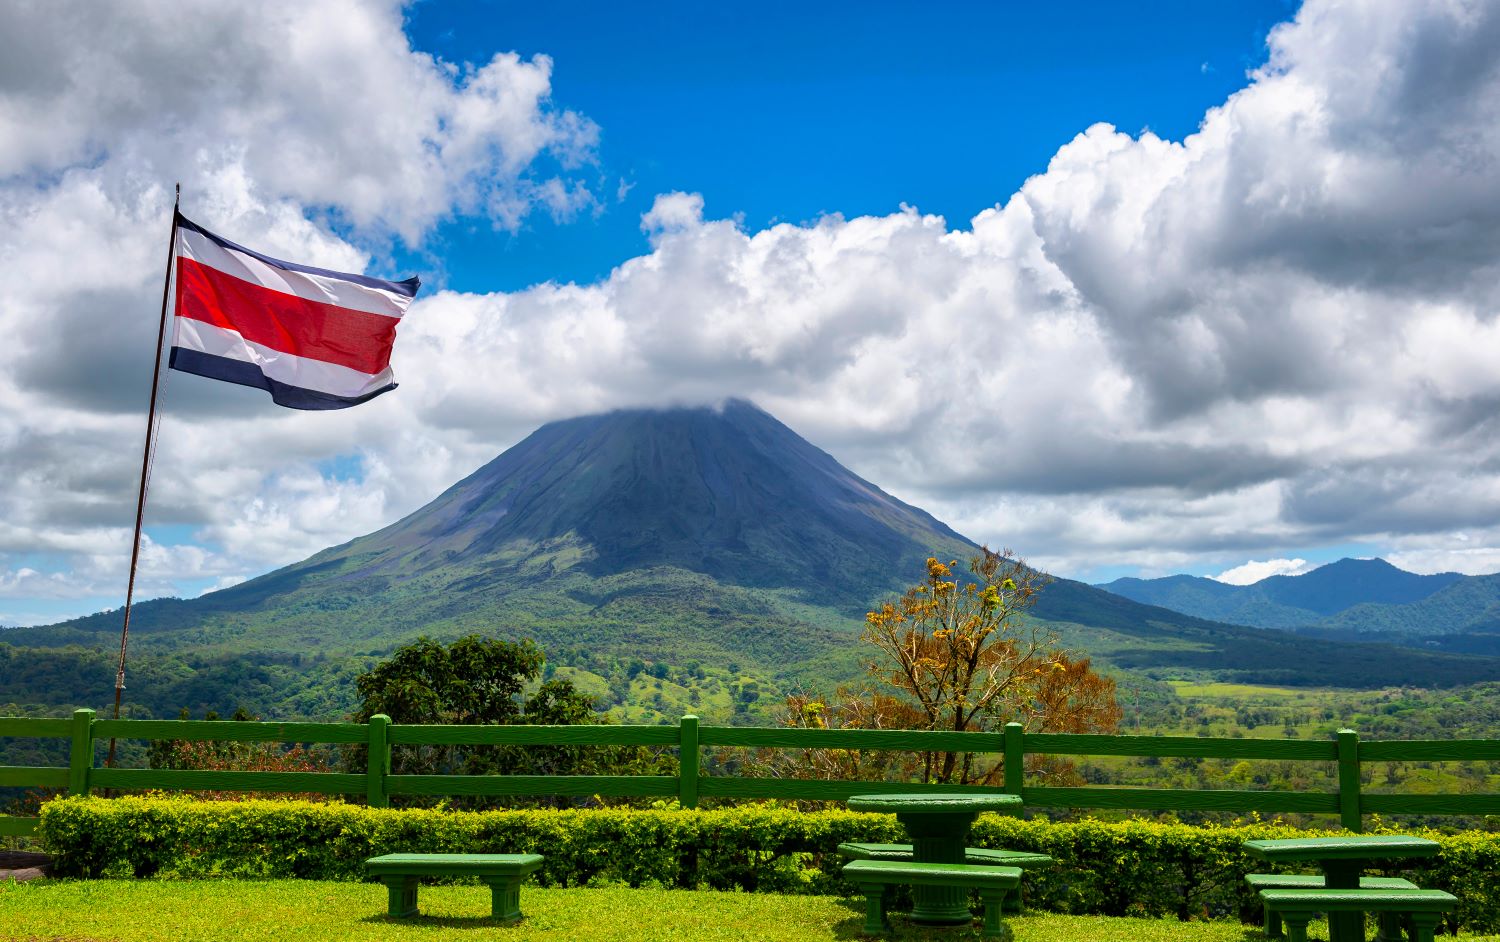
(319, 288)
(296, 371)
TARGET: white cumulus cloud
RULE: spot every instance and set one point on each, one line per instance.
(1256, 570)
(1277, 332)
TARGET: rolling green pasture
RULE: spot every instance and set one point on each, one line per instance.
(1188, 689)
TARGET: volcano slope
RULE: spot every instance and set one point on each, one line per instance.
(709, 535)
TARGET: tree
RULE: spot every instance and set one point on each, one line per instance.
(475, 680)
(959, 655)
(487, 681)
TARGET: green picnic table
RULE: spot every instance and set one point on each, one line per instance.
(938, 826)
(1342, 860)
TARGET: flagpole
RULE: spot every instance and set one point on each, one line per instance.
(140, 503)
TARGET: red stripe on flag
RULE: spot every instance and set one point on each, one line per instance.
(285, 322)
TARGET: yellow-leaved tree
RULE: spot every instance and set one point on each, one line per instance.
(958, 654)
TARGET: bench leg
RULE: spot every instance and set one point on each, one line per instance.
(875, 921)
(1015, 903)
(1296, 926)
(505, 899)
(401, 896)
(1423, 926)
(994, 924)
(1273, 923)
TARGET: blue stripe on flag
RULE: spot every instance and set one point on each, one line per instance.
(408, 287)
(248, 374)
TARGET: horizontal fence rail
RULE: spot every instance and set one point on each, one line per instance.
(622, 786)
(229, 731)
(1012, 745)
(533, 735)
(1181, 799)
(895, 739)
(1074, 744)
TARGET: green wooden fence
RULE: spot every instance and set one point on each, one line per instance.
(1013, 744)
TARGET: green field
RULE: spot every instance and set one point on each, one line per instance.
(239, 911)
(1189, 690)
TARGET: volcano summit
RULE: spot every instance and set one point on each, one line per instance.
(729, 493)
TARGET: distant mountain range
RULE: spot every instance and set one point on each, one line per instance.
(708, 536)
(1352, 599)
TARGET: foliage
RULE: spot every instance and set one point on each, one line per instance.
(960, 657)
(484, 681)
(869, 709)
(958, 651)
(57, 678)
(1125, 868)
(231, 756)
(474, 680)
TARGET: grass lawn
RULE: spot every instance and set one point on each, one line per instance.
(229, 910)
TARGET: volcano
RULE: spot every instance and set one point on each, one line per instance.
(711, 535)
(727, 492)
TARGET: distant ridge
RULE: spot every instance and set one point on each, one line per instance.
(1287, 601)
(1367, 599)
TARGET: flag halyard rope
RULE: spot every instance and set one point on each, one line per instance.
(153, 427)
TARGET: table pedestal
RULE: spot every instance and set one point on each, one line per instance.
(939, 838)
(1344, 875)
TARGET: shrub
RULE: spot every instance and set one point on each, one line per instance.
(1110, 868)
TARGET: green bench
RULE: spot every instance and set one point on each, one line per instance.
(1422, 907)
(1025, 860)
(1390, 930)
(873, 877)
(503, 872)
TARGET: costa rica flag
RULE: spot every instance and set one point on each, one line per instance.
(312, 338)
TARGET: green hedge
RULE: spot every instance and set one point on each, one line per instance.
(1109, 868)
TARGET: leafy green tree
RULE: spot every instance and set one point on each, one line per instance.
(473, 681)
(487, 681)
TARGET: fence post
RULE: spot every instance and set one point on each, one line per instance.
(378, 762)
(687, 763)
(1349, 814)
(1015, 758)
(81, 752)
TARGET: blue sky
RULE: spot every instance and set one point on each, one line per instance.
(785, 112)
(1131, 288)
